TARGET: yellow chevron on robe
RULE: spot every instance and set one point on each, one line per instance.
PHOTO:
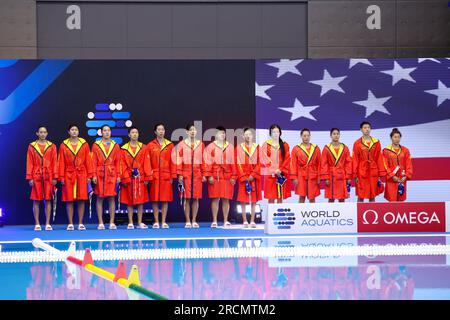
(35, 145)
(127, 147)
(311, 151)
(252, 149)
(80, 143)
(374, 140)
(102, 147)
(336, 156)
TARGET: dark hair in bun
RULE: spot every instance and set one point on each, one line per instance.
(394, 131)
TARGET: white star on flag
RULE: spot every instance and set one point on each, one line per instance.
(373, 104)
(442, 93)
(299, 110)
(285, 66)
(329, 83)
(399, 73)
(260, 91)
(354, 62)
(431, 59)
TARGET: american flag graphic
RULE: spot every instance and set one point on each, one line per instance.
(410, 94)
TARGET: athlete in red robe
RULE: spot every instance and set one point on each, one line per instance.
(221, 174)
(305, 168)
(368, 166)
(160, 152)
(191, 172)
(42, 174)
(248, 166)
(106, 162)
(336, 168)
(398, 166)
(75, 172)
(135, 176)
(275, 163)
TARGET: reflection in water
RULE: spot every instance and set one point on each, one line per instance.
(245, 278)
(229, 278)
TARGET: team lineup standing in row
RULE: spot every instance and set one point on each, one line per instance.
(272, 167)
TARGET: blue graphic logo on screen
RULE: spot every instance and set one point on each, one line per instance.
(112, 115)
(283, 218)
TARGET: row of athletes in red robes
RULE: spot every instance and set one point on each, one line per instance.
(135, 165)
(106, 165)
(368, 165)
(307, 166)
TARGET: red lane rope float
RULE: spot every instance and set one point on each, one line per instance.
(133, 282)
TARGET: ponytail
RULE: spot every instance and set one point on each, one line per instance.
(283, 152)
